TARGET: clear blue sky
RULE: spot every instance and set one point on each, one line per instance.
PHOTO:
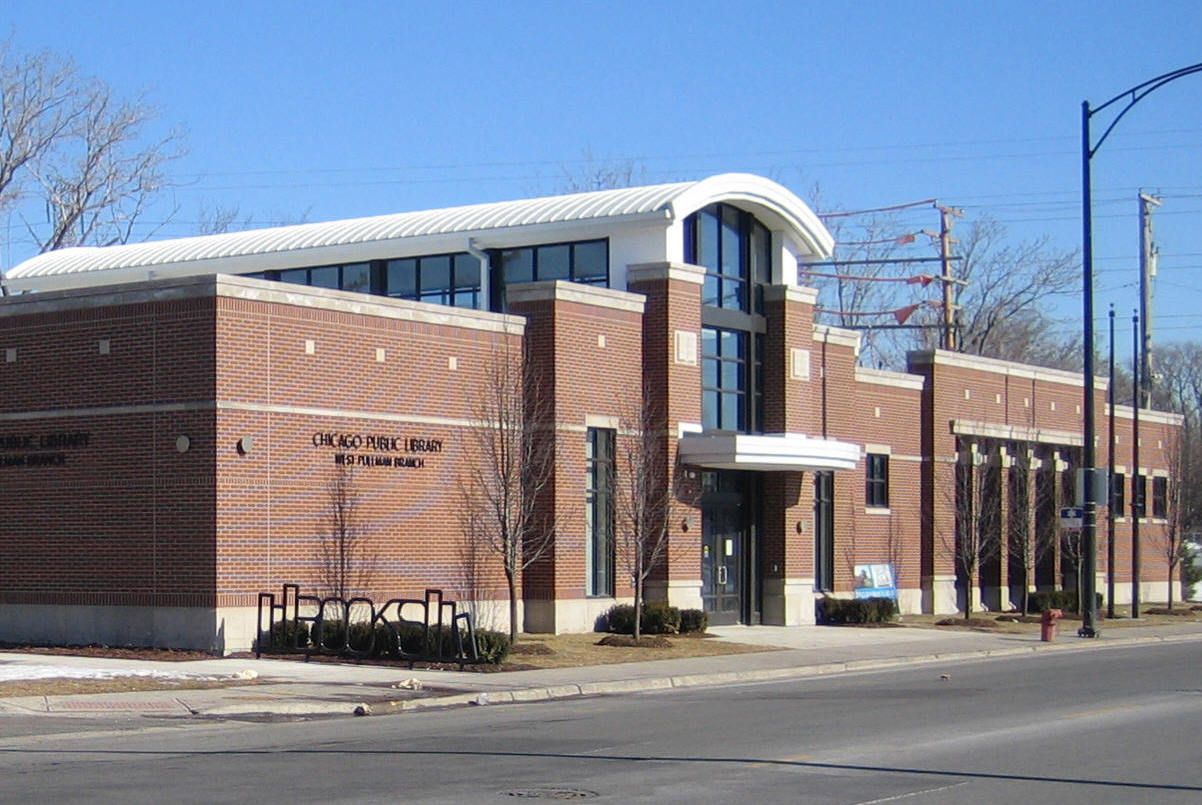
(333, 110)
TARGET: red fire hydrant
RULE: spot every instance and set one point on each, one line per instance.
(1047, 624)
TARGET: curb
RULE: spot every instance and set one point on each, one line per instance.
(308, 707)
(767, 675)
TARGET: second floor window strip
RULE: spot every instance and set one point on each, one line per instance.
(443, 279)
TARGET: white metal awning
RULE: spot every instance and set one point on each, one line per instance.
(773, 452)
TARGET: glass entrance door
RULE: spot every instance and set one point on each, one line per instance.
(724, 550)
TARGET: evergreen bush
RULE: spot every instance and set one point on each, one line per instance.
(693, 620)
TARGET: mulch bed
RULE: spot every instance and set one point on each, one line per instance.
(628, 641)
(972, 623)
(113, 652)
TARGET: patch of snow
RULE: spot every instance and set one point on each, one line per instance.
(21, 671)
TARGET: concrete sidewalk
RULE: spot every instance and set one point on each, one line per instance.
(293, 688)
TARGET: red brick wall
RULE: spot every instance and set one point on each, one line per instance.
(274, 507)
(126, 519)
(590, 379)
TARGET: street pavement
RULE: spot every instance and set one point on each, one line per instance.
(294, 688)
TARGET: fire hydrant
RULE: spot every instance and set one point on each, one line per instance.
(1047, 624)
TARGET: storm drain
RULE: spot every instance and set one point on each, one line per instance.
(550, 793)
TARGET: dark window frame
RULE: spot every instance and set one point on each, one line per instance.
(600, 523)
(1160, 497)
(876, 480)
(497, 282)
(446, 295)
(824, 531)
(742, 391)
(754, 268)
(1118, 494)
(1139, 491)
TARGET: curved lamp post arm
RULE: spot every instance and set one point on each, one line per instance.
(1134, 96)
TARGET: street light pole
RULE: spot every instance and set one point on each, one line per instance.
(1089, 523)
(1110, 512)
(1089, 515)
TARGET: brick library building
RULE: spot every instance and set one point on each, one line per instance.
(187, 423)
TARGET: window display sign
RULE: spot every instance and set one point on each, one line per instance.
(875, 581)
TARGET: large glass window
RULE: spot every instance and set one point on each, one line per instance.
(876, 481)
(443, 279)
(599, 511)
(724, 379)
(730, 397)
(586, 262)
(736, 251)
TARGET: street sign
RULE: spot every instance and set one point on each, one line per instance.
(1072, 517)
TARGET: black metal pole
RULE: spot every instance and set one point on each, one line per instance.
(1137, 490)
(1089, 549)
(1110, 512)
(1089, 608)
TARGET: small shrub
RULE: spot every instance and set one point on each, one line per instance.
(373, 641)
(289, 635)
(693, 620)
(620, 619)
(1064, 600)
(417, 642)
(329, 635)
(842, 611)
(660, 618)
(492, 647)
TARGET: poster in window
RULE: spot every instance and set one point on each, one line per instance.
(875, 581)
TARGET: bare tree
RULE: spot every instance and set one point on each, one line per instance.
(848, 292)
(1178, 388)
(643, 500)
(84, 154)
(974, 539)
(1182, 454)
(591, 173)
(1003, 309)
(37, 95)
(219, 219)
(346, 565)
(1026, 496)
(507, 482)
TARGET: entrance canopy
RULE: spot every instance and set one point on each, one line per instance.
(774, 452)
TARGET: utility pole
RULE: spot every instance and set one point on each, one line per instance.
(946, 214)
(1148, 254)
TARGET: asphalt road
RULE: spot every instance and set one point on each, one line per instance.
(1120, 725)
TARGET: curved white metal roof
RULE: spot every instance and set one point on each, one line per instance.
(664, 201)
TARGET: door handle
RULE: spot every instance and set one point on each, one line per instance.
(722, 574)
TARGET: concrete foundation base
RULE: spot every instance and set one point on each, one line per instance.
(220, 630)
(788, 602)
(939, 595)
(680, 593)
(568, 616)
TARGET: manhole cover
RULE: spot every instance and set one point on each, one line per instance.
(551, 793)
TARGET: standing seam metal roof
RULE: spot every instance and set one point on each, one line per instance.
(664, 198)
